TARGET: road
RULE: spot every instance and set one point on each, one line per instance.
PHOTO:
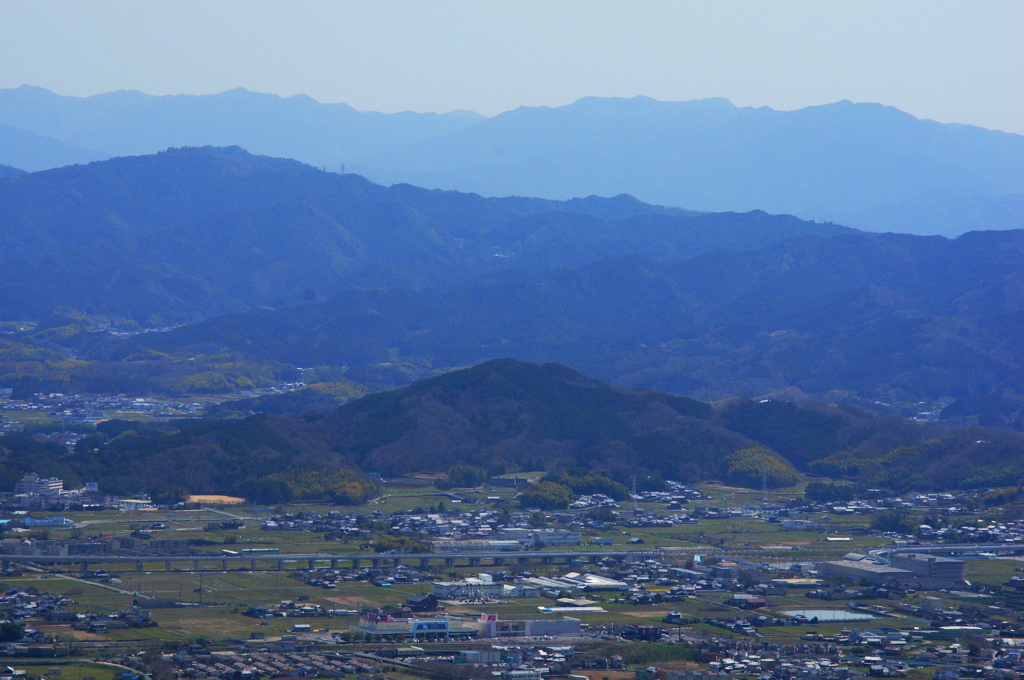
(104, 586)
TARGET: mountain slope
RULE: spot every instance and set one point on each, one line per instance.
(188, 233)
(510, 413)
(31, 152)
(888, 317)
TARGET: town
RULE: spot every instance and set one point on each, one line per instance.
(714, 580)
(64, 414)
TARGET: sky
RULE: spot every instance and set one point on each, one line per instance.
(950, 61)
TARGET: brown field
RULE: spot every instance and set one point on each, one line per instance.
(602, 675)
(220, 500)
(353, 601)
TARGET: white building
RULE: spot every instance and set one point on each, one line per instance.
(475, 545)
(799, 524)
(512, 592)
(491, 627)
(467, 589)
(34, 485)
(541, 537)
(557, 537)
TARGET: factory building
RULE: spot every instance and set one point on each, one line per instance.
(930, 566)
(863, 571)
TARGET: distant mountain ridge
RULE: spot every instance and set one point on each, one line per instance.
(324, 135)
(865, 165)
(189, 233)
(838, 161)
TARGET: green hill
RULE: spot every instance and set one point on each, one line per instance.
(505, 416)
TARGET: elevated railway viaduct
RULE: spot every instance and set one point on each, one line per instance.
(284, 561)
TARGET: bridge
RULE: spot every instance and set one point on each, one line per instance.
(282, 561)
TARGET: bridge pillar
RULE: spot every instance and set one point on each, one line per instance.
(138, 566)
(499, 561)
(593, 559)
(355, 562)
(548, 560)
(424, 563)
(397, 562)
(334, 563)
(195, 565)
(280, 565)
(312, 564)
(85, 566)
(224, 565)
(375, 562)
(167, 565)
(252, 565)
(474, 561)
(449, 561)
(523, 559)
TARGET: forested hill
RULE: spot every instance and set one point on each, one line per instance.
(888, 317)
(188, 233)
(507, 416)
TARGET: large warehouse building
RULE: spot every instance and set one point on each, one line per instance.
(864, 571)
(930, 566)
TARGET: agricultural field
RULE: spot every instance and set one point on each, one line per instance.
(68, 670)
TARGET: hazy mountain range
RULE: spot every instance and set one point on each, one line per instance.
(864, 165)
(129, 123)
(387, 284)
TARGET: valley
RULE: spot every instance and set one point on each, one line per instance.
(511, 341)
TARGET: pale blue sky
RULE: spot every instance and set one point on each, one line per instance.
(951, 61)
